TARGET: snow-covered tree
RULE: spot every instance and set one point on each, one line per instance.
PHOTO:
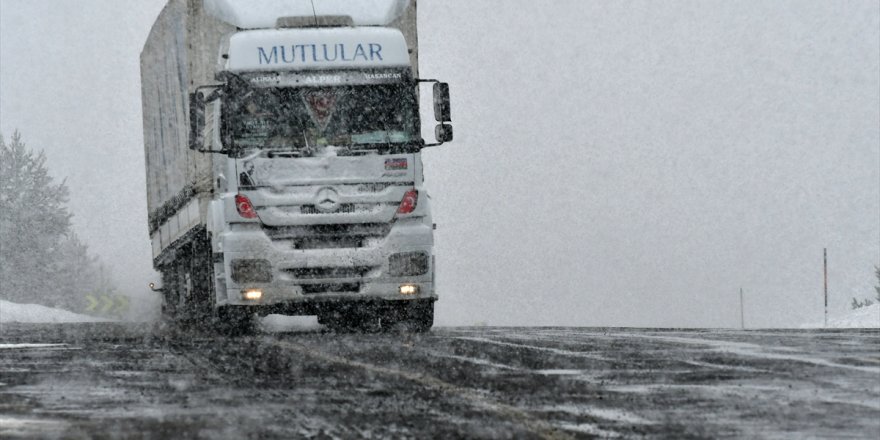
(75, 273)
(41, 259)
(856, 304)
(33, 219)
(877, 288)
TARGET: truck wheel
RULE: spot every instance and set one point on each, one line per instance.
(235, 320)
(171, 307)
(188, 285)
(414, 316)
(420, 316)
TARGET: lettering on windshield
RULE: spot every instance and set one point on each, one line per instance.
(291, 79)
(320, 53)
(323, 79)
(391, 75)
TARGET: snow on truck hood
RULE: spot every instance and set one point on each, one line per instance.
(258, 14)
(329, 169)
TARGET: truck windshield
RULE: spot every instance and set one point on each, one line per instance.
(367, 116)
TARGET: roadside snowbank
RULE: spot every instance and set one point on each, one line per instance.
(865, 317)
(14, 312)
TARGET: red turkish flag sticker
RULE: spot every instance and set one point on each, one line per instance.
(321, 103)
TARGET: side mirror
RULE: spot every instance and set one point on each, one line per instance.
(442, 112)
(443, 133)
(196, 121)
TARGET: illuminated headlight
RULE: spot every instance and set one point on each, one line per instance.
(252, 294)
(409, 289)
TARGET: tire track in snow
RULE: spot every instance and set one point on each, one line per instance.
(752, 350)
(538, 427)
(558, 351)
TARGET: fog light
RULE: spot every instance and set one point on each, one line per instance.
(252, 294)
(408, 264)
(409, 289)
(251, 271)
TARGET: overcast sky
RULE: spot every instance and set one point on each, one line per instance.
(626, 163)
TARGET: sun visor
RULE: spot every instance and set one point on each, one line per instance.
(263, 14)
(310, 49)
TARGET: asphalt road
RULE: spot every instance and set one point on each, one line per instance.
(142, 381)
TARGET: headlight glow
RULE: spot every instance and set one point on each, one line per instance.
(409, 289)
(252, 294)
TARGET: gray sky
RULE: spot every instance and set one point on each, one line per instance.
(627, 163)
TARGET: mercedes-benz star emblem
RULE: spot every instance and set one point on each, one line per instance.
(327, 199)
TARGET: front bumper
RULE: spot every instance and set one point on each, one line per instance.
(300, 277)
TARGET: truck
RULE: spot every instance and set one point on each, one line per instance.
(283, 159)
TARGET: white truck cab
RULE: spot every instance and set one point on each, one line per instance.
(316, 202)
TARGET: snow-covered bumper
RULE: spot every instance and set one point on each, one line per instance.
(320, 263)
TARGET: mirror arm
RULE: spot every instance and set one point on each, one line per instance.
(216, 93)
(226, 152)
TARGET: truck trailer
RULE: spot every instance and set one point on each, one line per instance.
(283, 162)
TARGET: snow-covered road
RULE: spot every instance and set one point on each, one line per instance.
(113, 380)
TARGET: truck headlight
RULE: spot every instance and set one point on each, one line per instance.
(409, 289)
(251, 271)
(407, 264)
(252, 294)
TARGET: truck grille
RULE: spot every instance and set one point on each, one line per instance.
(345, 208)
(314, 289)
(311, 273)
(328, 236)
(373, 187)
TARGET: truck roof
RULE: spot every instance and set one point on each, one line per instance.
(261, 14)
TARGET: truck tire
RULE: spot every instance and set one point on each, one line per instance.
(188, 285)
(235, 320)
(173, 306)
(169, 296)
(201, 299)
(416, 316)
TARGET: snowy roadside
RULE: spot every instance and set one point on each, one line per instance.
(35, 313)
(865, 317)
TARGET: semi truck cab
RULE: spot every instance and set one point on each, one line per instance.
(319, 204)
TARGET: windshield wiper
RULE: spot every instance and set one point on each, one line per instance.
(271, 154)
(410, 146)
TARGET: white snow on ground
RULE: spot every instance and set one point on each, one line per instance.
(559, 372)
(617, 415)
(284, 323)
(588, 428)
(533, 347)
(14, 346)
(24, 427)
(865, 317)
(753, 350)
(14, 312)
